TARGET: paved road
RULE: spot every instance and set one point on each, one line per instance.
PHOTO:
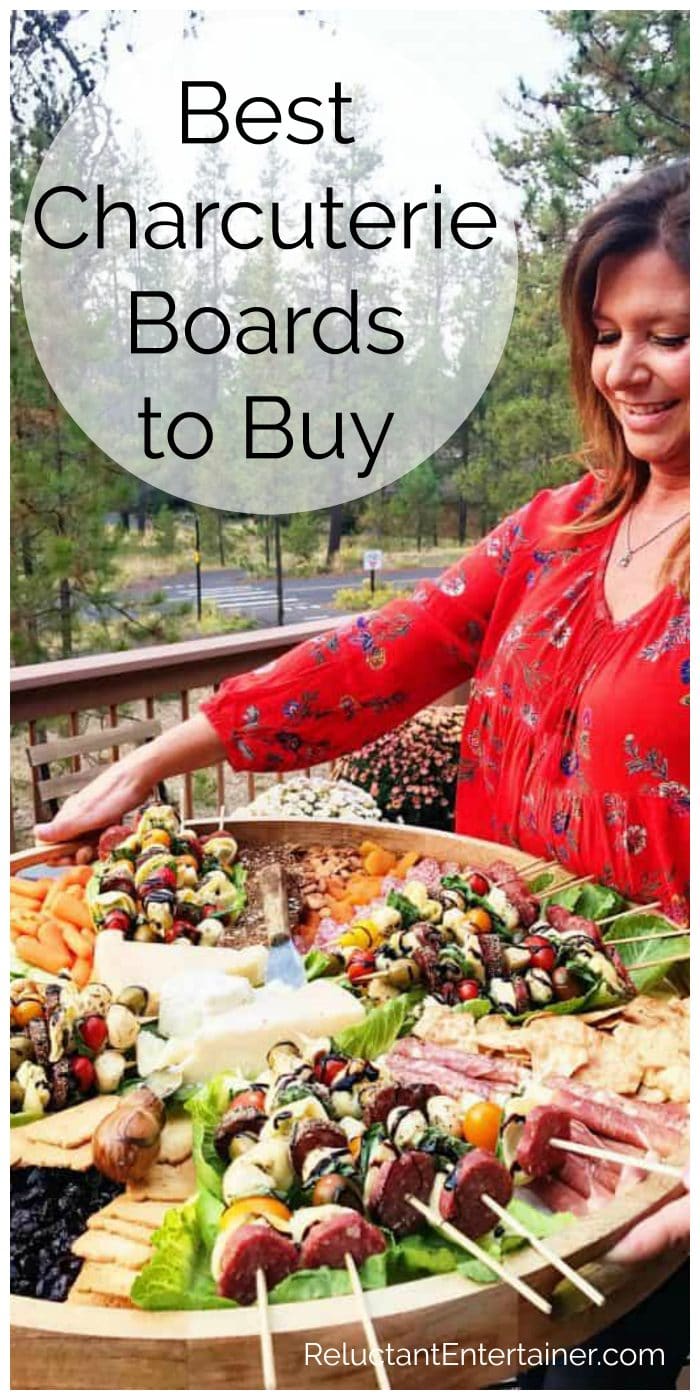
(304, 598)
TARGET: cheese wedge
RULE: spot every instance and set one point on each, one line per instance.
(120, 962)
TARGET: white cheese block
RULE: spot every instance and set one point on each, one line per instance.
(187, 1002)
(241, 1039)
(120, 962)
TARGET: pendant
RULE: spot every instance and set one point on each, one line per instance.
(624, 561)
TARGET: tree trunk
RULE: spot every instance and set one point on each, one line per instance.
(462, 521)
(268, 523)
(125, 518)
(278, 572)
(64, 604)
(335, 533)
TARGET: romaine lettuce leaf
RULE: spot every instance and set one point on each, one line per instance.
(178, 1275)
(380, 1028)
(648, 947)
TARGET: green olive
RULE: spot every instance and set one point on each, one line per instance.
(135, 998)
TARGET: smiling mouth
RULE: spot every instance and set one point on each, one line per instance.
(647, 410)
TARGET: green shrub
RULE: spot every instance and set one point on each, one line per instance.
(354, 600)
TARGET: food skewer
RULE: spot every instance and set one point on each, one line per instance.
(537, 867)
(622, 1158)
(566, 885)
(367, 1325)
(633, 909)
(222, 814)
(457, 1237)
(266, 1347)
(544, 1250)
(659, 962)
(644, 937)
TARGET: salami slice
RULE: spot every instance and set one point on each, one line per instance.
(460, 1199)
(378, 1104)
(536, 1155)
(113, 836)
(250, 1248)
(328, 1242)
(312, 1134)
(411, 1174)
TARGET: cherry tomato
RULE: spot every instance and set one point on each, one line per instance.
(83, 1072)
(326, 1067)
(249, 1098)
(480, 1125)
(478, 884)
(544, 958)
(93, 1032)
(467, 989)
(536, 940)
(480, 920)
(180, 929)
(361, 963)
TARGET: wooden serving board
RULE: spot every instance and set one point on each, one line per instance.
(60, 1346)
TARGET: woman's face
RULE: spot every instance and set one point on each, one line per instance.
(641, 359)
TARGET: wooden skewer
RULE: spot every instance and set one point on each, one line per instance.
(566, 885)
(539, 865)
(449, 1231)
(266, 1348)
(544, 1250)
(633, 909)
(222, 813)
(659, 962)
(623, 1158)
(183, 799)
(367, 1325)
(644, 937)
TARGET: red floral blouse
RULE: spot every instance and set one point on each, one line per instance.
(575, 741)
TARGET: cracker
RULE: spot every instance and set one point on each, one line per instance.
(82, 1299)
(165, 1183)
(73, 1126)
(45, 1154)
(125, 1208)
(113, 1225)
(103, 1247)
(112, 1280)
(176, 1140)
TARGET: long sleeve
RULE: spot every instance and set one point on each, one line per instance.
(345, 687)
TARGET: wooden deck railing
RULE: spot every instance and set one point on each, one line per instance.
(99, 693)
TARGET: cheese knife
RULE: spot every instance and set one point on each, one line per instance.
(284, 963)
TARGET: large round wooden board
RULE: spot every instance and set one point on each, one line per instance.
(60, 1346)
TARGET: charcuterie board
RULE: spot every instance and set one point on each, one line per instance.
(319, 1344)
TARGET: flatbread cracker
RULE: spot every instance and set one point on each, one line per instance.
(559, 1045)
(494, 1033)
(73, 1126)
(81, 1299)
(45, 1154)
(103, 1247)
(126, 1208)
(126, 1228)
(165, 1183)
(176, 1140)
(112, 1280)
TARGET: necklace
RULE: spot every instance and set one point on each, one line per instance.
(626, 558)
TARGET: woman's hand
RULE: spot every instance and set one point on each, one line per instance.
(124, 785)
(117, 790)
(663, 1230)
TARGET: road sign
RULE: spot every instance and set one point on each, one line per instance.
(373, 559)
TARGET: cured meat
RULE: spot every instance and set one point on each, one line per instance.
(328, 1242)
(312, 1134)
(250, 1248)
(597, 1181)
(111, 837)
(411, 1174)
(635, 1122)
(379, 1102)
(536, 1155)
(461, 1196)
(516, 890)
(557, 1195)
(459, 1061)
(562, 919)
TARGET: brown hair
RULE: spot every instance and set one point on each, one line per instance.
(653, 211)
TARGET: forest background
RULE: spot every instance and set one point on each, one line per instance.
(84, 532)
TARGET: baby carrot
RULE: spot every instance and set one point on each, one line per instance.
(77, 943)
(36, 953)
(81, 971)
(69, 909)
(31, 889)
(50, 936)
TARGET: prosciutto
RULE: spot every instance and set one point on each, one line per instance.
(637, 1123)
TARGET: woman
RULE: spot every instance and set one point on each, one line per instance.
(571, 617)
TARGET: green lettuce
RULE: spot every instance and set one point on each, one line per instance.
(648, 947)
(380, 1028)
(319, 964)
(591, 901)
(178, 1274)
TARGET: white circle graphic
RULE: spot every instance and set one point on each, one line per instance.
(291, 316)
